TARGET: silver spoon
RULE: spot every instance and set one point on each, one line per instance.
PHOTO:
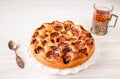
(13, 46)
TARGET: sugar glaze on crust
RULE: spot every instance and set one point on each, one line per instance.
(62, 44)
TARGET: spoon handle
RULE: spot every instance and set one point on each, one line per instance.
(19, 61)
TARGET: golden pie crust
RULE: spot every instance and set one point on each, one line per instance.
(62, 44)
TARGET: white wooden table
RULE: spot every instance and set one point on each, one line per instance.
(19, 18)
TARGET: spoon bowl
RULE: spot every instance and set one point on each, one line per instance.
(12, 45)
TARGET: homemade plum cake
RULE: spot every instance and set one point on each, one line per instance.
(62, 44)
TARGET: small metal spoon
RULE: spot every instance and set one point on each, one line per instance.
(13, 46)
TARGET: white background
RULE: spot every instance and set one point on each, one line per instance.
(19, 19)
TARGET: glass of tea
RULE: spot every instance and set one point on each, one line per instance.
(101, 17)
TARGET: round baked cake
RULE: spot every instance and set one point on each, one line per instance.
(62, 44)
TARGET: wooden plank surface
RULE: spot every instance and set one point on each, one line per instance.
(19, 18)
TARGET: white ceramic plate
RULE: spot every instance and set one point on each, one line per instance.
(50, 70)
